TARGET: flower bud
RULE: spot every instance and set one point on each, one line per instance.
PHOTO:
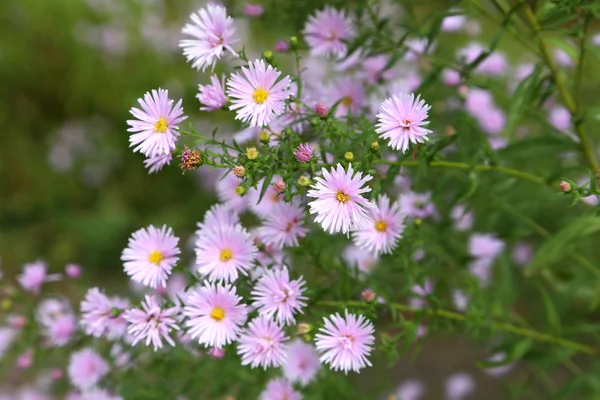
(17, 321)
(281, 46)
(368, 295)
(251, 153)
(303, 328)
(253, 10)
(449, 130)
(56, 374)
(314, 122)
(239, 171)
(6, 304)
(418, 222)
(216, 353)
(303, 153)
(268, 55)
(264, 137)
(321, 110)
(294, 42)
(279, 186)
(73, 271)
(240, 190)
(349, 156)
(565, 187)
(190, 159)
(375, 146)
(304, 181)
(463, 91)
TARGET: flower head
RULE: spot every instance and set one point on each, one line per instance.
(253, 10)
(151, 323)
(417, 205)
(261, 344)
(352, 94)
(271, 198)
(151, 255)
(283, 225)
(463, 218)
(303, 153)
(401, 119)
(219, 215)
(339, 204)
(57, 321)
(97, 318)
(459, 386)
(33, 276)
(224, 252)
(275, 295)
(212, 31)
(325, 32)
(86, 368)
(155, 127)
(215, 314)
(302, 362)
(212, 96)
(279, 389)
(156, 163)
(383, 234)
(256, 95)
(485, 246)
(345, 343)
(356, 257)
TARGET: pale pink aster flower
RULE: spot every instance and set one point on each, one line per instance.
(226, 193)
(86, 368)
(216, 353)
(212, 96)
(261, 344)
(450, 77)
(155, 129)
(275, 295)
(253, 10)
(212, 31)
(219, 215)
(460, 300)
(497, 142)
(381, 237)
(57, 321)
(97, 318)
(339, 204)
(281, 46)
(417, 205)
(356, 257)
(33, 276)
(223, 253)
(401, 119)
(492, 120)
(563, 58)
(481, 268)
(501, 369)
(453, 23)
(345, 342)
(485, 246)
(462, 219)
(151, 255)
(410, 390)
(422, 291)
(268, 254)
(283, 226)
(560, 118)
(279, 389)
(151, 323)
(73, 271)
(302, 364)
(459, 386)
(256, 95)
(303, 153)
(25, 359)
(97, 394)
(375, 69)
(522, 253)
(271, 198)
(215, 314)
(7, 335)
(352, 94)
(326, 31)
(478, 101)
(156, 163)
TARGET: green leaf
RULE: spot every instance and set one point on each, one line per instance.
(523, 97)
(551, 314)
(265, 186)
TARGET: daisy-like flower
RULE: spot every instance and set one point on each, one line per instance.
(462, 218)
(212, 96)
(97, 318)
(339, 204)
(155, 129)
(364, 261)
(302, 364)
(33, 276)
(303, 153)
(485, 246)
(223, 253)
(151, 323)
(279, 389)
(381, 237)
(156, 163)
(401, 119)
(276, 295)
(283, 225)
(271, 199)
(57, 321)
(86, 368)
(261, 344)
(212, 31)
(417, 205)
(151, 255)
(345, 343)
(219, 215)
(351, 92)
(255, 94)
(215, 314)
(325, 32)
(459, 386)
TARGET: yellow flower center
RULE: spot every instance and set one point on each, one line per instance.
(217, 314)
(342, 197)
(260, 95)
(161, 125)
(381, 226)
(347, 101)
(226, 255)
(155, 257)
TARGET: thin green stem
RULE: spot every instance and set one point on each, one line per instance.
(528, 333)
(582, 52)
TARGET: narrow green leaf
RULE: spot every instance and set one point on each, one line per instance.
(265, 186)
(522, 97)
(551, 314)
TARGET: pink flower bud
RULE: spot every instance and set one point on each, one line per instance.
(279, 186)
(303, 153)
(17, 321)
(368, 295)
(56, 374)
(217, 354)
(281, 46)
(321, 110)
(565, 186)
(73, 271)
(253, 10)
(25, 360)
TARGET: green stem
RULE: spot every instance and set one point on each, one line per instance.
(528, 333)
(582, 51)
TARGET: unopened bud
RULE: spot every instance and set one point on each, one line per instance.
(56, 374)
(314, 122)
(418, 221)
(216, 353)
(321, 110)
(6, 304)
(565, 186)
(17, 321)
(251, 153)
(463, 91)
(303, 328)
(73, 271)
(449, 130)
(239, 171)
(349, 156)
(375, 146)
(304, 181)
(264, 137)
(294, 42)
(368, 295)
(268, 55)
(279, 186)
(240, 190)
(281, 46)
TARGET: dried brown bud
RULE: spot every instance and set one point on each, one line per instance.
(239, 171)
(303, 328)
(190, 159)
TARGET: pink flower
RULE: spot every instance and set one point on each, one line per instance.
(401, 119)
(478, 101)
(86, 368)
(283, 226)
(303, 153)
(326, 32)
(261, 344)
(151, 323)
(57, 321)
(216, 353)
(155, 129)
(481, 268)
(73, 271)
(151, 255)
(213, 95)
(212, 31)
(7, 335)
(501, 369)
(256, 95)
(97, 317)
(453, 23)
(459, 386)
(460, 300)
(321, 110)
(381, 237)
(339, 204)
(219, 215)
(356, 257)
(302, 364)
(417, 205)
(345, 343)
(563, 58)
(522, 253)
(253, 10)
(493, 122)
(463, 219)
(222, 253)
(215, 314)
(410, 390)
(272, 198)
(485, 246)
(560, 118)
(450, 77)
(279, 389)
(275, 295)
(281, 46)
(226, 193)
(156, 163)
(33, 276)
(352, 94)
(422, 291)
(25, 360)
